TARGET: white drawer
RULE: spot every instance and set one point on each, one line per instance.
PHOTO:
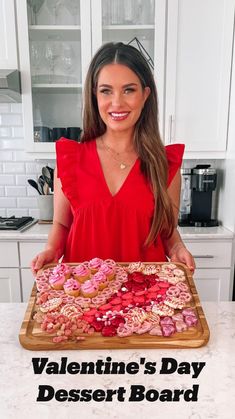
(9, 257)
(28, 250)
(210, 254)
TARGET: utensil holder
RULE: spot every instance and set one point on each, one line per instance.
(46, 207)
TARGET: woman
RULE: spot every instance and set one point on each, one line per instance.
(117, 193)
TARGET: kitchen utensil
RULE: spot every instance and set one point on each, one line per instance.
(47, 177)
(45, 189)
(35, 185)
(51, 176)
(41, 182)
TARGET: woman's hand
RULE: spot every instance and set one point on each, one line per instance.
(179, 253)
(47, 256)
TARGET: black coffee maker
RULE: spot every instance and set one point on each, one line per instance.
(203, 180)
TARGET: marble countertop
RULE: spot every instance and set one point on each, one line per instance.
(39, 232)
(215, 399)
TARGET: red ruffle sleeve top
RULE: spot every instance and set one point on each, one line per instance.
(106, 225)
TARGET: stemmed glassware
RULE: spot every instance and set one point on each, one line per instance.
(53, 7)
(73, 7)
(52, 52)
(68, 59)
(35, 6)
(36, 54)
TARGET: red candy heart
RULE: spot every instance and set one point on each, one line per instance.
(98, 325)
(109, 331)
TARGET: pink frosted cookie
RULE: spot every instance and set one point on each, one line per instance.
(72, 287)
(81, 272)
(95, 264)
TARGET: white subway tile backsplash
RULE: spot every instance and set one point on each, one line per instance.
(5, 108)
(18, 212)
(6, 155)
(15, 191)
(7, 203)
(3, 213)
(16, 108)
(33, 167)
(20, 156)
(11, 120)
(21, 180)
(27, 202)
(11, 144)
(5, 132)
(30, 191)
(7, 180)
(15, 167)
(18, 132)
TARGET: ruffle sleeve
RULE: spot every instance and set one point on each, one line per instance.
(67, 152)
(174, 153)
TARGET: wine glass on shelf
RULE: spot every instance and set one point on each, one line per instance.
(35, 6)
(53, 7)
(68, 60)
(52, 52)
(35, 58)
(73, 7)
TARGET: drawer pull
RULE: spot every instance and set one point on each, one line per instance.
(203, 257)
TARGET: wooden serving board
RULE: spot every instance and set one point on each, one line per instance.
(33, 338)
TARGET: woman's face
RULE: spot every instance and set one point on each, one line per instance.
(120, 97)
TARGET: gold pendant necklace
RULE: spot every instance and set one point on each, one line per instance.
(122, 165)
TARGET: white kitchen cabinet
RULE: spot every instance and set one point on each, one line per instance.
(9, 256)
(28, 250)
(27, 280)
(214, 274)
(47, 89)
(8, 41)
(213, 284)
(199, 55)
(16, 278)
(10, 285)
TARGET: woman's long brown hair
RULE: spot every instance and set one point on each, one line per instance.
(147, 140)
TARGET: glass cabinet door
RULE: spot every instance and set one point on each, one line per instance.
(55, 62)
(55, 47)
(140, 23)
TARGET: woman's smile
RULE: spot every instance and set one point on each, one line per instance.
(119, 116)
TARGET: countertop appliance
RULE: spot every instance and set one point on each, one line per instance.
(16, 223)
(198, 185)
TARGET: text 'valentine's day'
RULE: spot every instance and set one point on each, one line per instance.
(166, 366)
